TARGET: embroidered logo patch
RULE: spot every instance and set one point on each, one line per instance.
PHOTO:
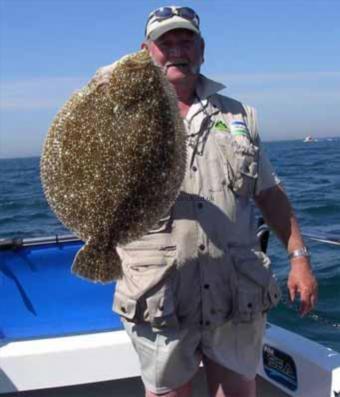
(239, 128)
(221, 126)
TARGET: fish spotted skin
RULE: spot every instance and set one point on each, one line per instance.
(113, 162)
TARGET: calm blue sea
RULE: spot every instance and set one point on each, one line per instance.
(311, 175)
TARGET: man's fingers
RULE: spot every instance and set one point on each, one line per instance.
(292, 293)
(304, 308)
(304, 302)
(314, 299)
(308, 301)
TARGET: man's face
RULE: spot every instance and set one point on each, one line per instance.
(179, 53)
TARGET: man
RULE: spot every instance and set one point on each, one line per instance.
(197, 287)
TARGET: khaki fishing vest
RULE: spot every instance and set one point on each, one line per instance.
(202, 264)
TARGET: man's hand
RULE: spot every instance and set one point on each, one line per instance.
(302, 281)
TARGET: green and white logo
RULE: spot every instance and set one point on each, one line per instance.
(221, 126)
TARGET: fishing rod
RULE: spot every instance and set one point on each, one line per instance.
(263, 232)
(328, 238)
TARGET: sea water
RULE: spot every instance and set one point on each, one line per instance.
(310, 173)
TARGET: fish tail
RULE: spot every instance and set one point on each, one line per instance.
(96, 264)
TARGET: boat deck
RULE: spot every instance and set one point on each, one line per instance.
(133, 387)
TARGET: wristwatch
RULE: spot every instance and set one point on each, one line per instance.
(299, 252)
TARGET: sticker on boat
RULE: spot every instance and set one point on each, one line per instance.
(280, 367)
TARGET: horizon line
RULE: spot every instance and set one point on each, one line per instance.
(336, 137)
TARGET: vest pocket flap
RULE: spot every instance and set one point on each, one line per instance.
(257, 274)
(149, 259)
(161, 308)
(249, 304)
(272, 295)
(124, 306)
(148, 271)
(254, 265)
(150, 242)
(146, 263)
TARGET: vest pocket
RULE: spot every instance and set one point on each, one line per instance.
(124, 306)
(254, 300)
(160, 307)
(244, 180)
(248, 305)
(257, 289)
(240, 163)
(147, 264)
(156, 306)
(216, 179)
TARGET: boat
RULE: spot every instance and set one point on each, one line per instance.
(309, 139)
(59, 336)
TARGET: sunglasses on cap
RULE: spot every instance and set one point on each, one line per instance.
(169, 12)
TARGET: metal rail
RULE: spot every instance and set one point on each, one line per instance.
(15, 243)
(262, 233)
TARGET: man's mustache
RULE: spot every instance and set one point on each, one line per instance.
(194, 69)
(180, 62)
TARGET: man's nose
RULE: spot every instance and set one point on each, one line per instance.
(175, 51)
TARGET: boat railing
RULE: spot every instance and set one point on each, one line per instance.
(263, 232)
(14, 243)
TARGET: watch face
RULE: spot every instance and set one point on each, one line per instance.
(299, 252)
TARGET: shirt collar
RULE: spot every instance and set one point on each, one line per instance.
(207, 87)
(204, 89)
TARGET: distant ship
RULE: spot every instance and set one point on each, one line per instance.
(309, 139)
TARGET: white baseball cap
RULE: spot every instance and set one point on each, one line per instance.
(164, 19)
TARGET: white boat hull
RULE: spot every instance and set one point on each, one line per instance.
(100, 357)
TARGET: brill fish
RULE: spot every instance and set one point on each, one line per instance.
(113, 162)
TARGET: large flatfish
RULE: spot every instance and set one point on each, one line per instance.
(113, 162)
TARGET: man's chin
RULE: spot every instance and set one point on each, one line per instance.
(175, 80)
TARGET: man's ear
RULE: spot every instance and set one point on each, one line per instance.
(144, 46)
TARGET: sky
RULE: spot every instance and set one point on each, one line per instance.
(280, 56)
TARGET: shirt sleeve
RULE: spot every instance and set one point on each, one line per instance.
(267, 176)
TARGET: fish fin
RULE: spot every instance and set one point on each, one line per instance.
(97, 264)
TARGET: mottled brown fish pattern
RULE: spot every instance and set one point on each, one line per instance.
(113, 162)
